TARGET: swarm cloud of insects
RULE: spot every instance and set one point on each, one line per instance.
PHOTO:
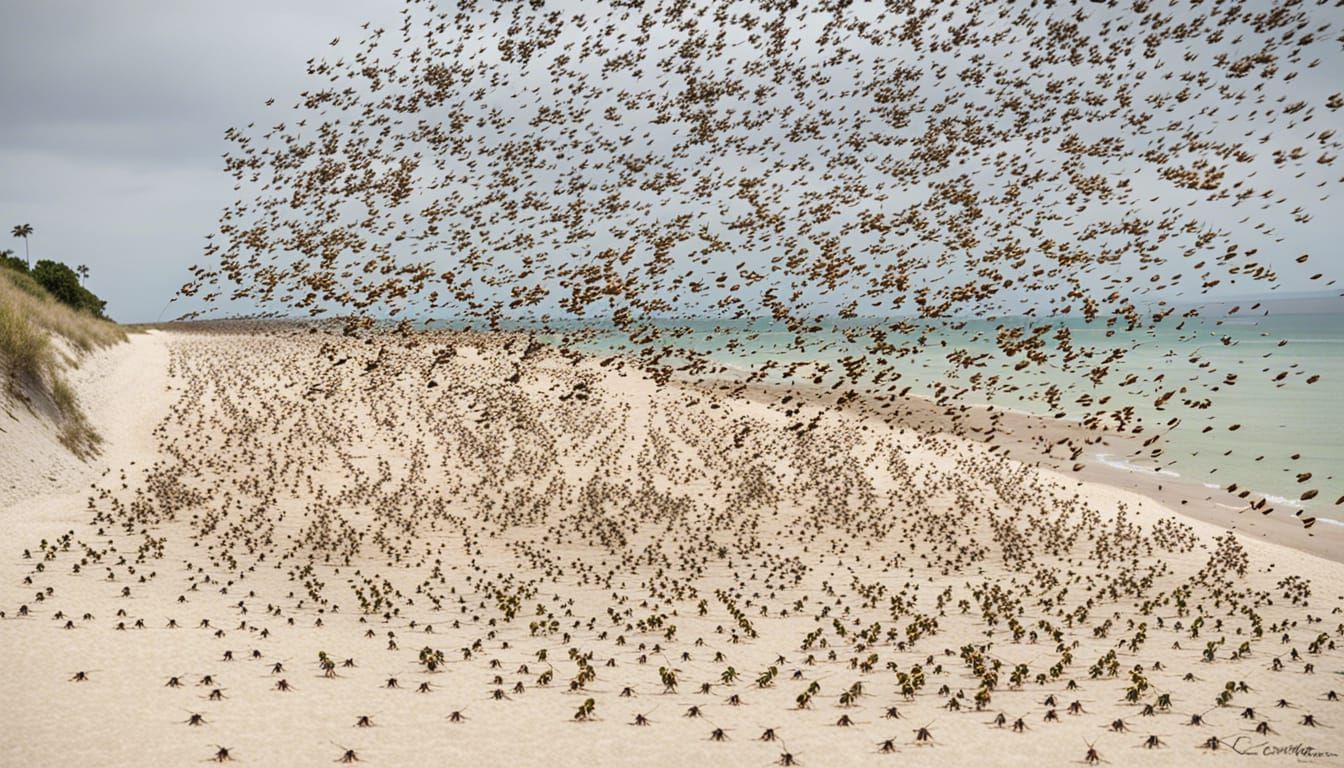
(823, 167)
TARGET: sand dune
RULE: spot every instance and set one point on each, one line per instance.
(716, 568)
(122, 390)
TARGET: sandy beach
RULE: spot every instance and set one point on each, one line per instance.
(725, 581)
(660, 385)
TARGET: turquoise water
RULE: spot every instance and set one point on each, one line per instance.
(1285, 395)
(1278, 414)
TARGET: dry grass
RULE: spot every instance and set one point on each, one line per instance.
(83, 331)
(25, 349)
(33, 328)
(77, 434)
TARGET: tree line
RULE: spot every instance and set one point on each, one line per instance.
(65, 284)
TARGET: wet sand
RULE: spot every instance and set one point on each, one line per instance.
(1038, 441)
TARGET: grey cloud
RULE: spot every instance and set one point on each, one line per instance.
(114, 120)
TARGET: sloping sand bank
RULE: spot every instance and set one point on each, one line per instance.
(724, 582)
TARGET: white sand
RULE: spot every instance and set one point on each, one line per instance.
(509, 486)
(122, 391)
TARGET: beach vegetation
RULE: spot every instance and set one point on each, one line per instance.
(64, 284)
(23, 231)
(41, 337)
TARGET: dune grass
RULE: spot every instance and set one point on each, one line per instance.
(23, 347)
(81, 330)
(39, 339)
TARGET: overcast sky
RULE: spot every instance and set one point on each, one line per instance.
(115, 113)
(113, 124)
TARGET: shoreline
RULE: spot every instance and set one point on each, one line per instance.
(525, 519)
(1019, 435)
(1024, 433)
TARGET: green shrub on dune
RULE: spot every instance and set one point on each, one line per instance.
(63, 284)
(10, 261)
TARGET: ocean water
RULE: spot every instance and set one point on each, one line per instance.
(1254, 401)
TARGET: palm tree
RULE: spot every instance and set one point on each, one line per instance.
(24, 231)
(83, 271)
